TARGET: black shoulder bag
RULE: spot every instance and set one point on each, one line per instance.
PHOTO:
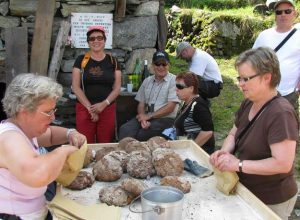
(252, 121)
(285, 40)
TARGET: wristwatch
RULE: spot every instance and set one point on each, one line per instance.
(241, 166)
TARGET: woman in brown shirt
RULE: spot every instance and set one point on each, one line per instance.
(262, 153)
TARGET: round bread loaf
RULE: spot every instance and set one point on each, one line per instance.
(123, 142)
(108, 169)
(104, 151)
(140, 164)
(166, 162)
(121, 156)
(83, 180)
(176, 182)
(136, 146)
(115, 195)
(133, 186)
(157, 142)
(89, 158)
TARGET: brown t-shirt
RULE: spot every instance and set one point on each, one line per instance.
(276, 123)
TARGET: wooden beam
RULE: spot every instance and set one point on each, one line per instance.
(16, 44)
(120, 10)
(59, 49)
(42, 37)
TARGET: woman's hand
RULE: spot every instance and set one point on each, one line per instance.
(94, 117)
(98, 107)
(76, 139)
(224, 161)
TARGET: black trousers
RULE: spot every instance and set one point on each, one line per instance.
(209, 89)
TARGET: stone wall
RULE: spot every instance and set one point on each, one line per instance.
(222, 35)
(134, 37)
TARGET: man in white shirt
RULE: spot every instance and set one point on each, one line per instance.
(289, 53)
(203, 65)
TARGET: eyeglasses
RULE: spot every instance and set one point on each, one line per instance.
(160, 64)
(246, 79)
(286, 11)
(50, 113)
(181, 86)
(99, 38)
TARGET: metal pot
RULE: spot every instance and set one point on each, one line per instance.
(162, 203)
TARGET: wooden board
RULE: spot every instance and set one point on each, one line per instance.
(16, 45)
(42, 37)
(59, 49)
(203, 202)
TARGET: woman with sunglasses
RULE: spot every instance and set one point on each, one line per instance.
(96, 82)
(29, 103)
(289, 53)
(262, 143)
(194, 120)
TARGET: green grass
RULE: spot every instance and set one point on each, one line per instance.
(223, 107)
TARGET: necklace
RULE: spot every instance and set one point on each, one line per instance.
(184, 108)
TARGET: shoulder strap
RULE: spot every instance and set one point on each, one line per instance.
(285, 39)
(85, 60)
(253, 120)
(113, 61)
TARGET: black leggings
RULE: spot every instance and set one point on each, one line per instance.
(14, 217)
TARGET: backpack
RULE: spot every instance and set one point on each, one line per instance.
(86, 59)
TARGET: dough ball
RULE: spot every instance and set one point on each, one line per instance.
(166, 162)
(124, 142)
(83, 180)
(158, 142)
(104, 151)
(133, 186)
(176, 182)
(136, 146)
(140, 164)
(108, 169)
(115, 195)
(121, 156)
(89, 158)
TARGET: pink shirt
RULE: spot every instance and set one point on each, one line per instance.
(15, 197)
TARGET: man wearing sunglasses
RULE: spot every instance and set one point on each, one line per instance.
(289, 54)
(204, 66)
(158, 102)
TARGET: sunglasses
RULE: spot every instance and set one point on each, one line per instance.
(50, 113)
(286, 11)
(99, 38)
(246, 79)
(161, 64)
(180, 86)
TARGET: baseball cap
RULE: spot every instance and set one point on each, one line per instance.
(284, 1)
(95, 27)
(181, 46)
(160, 55)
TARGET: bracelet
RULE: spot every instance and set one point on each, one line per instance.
(69, 131)
(241, 166)
(108, 103)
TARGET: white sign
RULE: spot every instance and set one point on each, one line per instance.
(80, 23)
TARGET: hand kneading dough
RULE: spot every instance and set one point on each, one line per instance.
(133, 186)
(176, 182)
(115, 195)
(166, 162)
(140, 164)
(108, 169)
(158, 142)
(82, 181)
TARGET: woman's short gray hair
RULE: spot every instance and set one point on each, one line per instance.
(27, 90)
(263, 60)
